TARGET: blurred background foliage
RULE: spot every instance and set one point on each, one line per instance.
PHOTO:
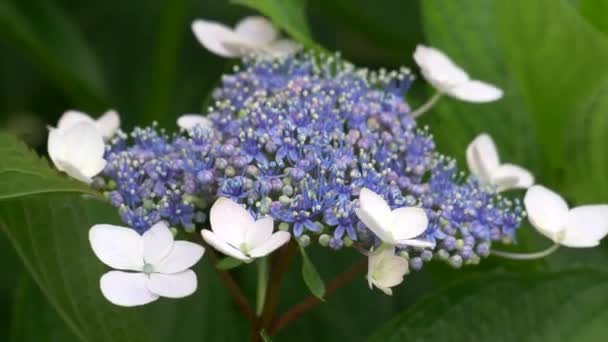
(139, 57)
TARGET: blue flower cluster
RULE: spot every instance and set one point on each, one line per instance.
(297, 139)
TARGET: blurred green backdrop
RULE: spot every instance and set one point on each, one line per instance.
(139, 57)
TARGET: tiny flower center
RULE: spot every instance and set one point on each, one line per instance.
(244, 248)
(560, 236)
(148, 268)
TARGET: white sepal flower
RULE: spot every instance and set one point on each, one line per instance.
(77, 151)
(385, 269)
(395, 227)
(160, 266)
(189, 121)
(251, 35)
(106, 124)
(450, 79)
(235, 233)
(578, 227)
(484, 163)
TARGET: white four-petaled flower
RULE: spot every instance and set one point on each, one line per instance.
(160, 266)
(106, 124)
(77, 150)
(395, 227)
(235, 233)
(484, 163)
(250, 35)
(450, 79)
(578, 227)
(385, 269)
(189, 121)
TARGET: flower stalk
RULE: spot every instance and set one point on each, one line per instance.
(311, 301)
(233, 288)
(427, 105)
(280, 265)
(262, 285)
(526, 256)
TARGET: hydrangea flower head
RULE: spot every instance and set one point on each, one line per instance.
(296, 139)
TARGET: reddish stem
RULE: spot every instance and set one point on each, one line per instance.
(311, 301)
(233, 288)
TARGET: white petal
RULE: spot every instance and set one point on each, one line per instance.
(240, 47)
(282, 47)
(56, 148)
(260, 232)
(509, 176)
(475, 91)
(126, 289)
(392, 270)
(230, 221)
(108, 123)
(158, 242)
(256, 30)
(408, 223)
(85, 148)
(212, 35)
(277, 240)
(416, 243)
(387, 290)
(438, 69)
(220, 245)
(371, 222)
(183, 256)
(73, 172)
(177, 285)
(78, 150)
(189, 121)
(587, 225)
(72, 117)
(375, 213)
(482, 157)
(547, 211)
(118, 247)
(385, 269)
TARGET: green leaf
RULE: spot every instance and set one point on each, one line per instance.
(29, 302)
(548, 60)
(290, 15)
(587, 174)
(564, 306)
(50, 235)
(311, 277)
(49, 230)
(465, 31)
(595, 12)
(46, 36)
(566, 69)
(24, 173)
(228, 263)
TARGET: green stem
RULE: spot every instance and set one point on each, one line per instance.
(262, 285)
(279, 265)
(526, 256)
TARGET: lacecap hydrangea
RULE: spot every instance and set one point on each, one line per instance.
(297, 138)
